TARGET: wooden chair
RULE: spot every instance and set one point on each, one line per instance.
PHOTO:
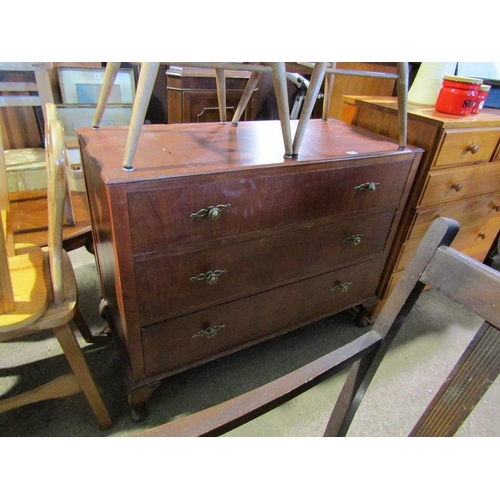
(37, 214)
(39, 291)
(148, 75)
(28, 208)
(457, 276)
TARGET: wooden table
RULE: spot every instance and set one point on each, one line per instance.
(29, 219)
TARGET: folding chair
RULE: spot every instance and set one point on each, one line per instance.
(462, 279)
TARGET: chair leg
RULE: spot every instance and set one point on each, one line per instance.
(145, 85)
(281, 92)
(327, 99)
(82, 326)
(349, 399)
(78, 364)
(402, 91)
(245, 98)
(220, 81)
(317, 76)
(107, 85)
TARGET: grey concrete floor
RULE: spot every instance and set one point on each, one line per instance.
(430, 343)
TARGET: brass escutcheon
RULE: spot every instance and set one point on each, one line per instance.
(210, 332)
(211, 276)
(367, 186)
(212, 212)
(342, 287)
(355, 239)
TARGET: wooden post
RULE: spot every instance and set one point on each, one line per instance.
(220, 80)
(107, 85)
(145, 85)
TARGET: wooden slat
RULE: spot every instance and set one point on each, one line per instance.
(63, 386)
(233, 413)
(462, 285)
(25, 66)
(18, 87)
(471, 377)
(23, 100)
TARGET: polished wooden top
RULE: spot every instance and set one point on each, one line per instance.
(30, 220)
(487, 117)
(176, 150)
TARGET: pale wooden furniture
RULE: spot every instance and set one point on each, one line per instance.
(31, 270)
(458, 177)
(215, 242)
(455, 275)
(21, 93)
(401, 77)
(28, 209)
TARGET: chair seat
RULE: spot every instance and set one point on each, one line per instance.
(52, 314)
(29, 289)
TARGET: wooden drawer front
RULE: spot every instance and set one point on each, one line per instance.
(174, 344)
(467, 146)
(161, 218)
(456, 183)
(165, 288)
(471, 242)
(471, 213)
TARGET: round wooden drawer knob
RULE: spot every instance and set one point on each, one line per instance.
(473, 149)
(496, 208)
(457, 187)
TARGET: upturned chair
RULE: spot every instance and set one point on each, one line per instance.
(147, 78)
(460, 278)
(38, 289)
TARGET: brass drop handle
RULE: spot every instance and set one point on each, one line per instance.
(473, 149)
(457, 187)
(213, 212)
(482, 235)
(367, 186)
(342, 287)
(210, 332)
(211, 276)
(355, 239)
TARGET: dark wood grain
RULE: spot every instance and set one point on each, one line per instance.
(252, 266)
(279, 238)
(171, 344)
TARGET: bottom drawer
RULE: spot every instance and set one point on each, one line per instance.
(204, 335)
(470, 213)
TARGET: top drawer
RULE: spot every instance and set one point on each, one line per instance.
(173, 216)
(461, 146)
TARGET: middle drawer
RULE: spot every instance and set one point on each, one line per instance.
(171, 284)
(460, 182)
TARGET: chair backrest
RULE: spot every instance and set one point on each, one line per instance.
(15, 93)
(57, 163)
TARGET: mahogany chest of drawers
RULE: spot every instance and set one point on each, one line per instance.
(215, 242)
(458, 177)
